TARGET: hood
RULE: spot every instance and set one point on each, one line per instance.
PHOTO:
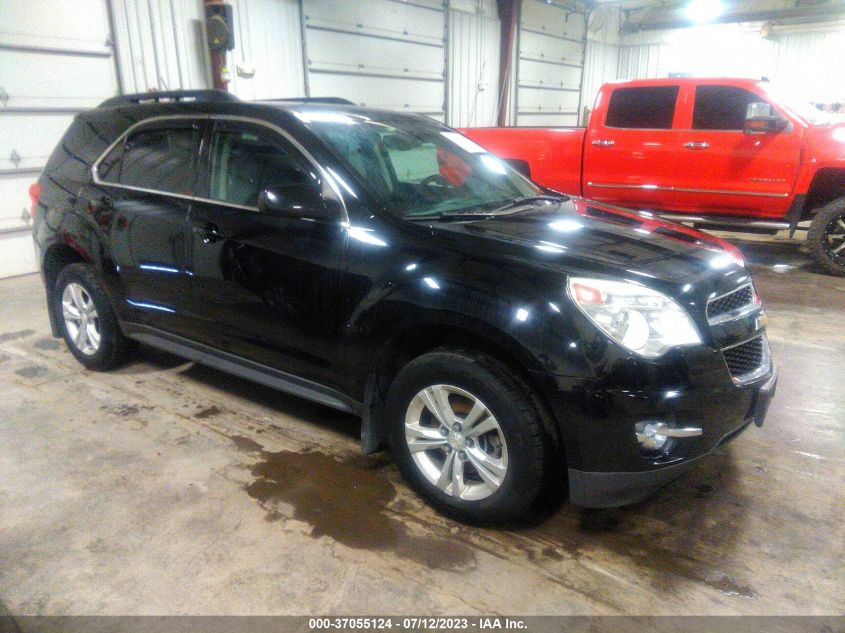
(580, 236)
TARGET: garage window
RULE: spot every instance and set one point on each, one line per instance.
(161, 159)
(721, 107)
(650, 108)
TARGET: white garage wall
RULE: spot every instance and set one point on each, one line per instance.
(551, 53)
(809, 61)
(268, 44)
(160, 44)
(601, 60)
(55, 60)
(473, 63)
(382, 53)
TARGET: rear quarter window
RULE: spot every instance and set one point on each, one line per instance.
(642, 108)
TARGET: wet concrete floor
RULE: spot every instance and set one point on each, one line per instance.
(170, 488)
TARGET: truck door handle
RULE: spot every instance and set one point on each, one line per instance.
(603, 142)
(209, 233)
(696, 145)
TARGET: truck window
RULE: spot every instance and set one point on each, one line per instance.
(642, 108)
(721, 107)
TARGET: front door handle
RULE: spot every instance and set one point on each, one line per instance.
(696, 145)
(209, 233)
(603, 142)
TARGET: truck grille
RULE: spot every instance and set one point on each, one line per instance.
(726, 304)
(745, 359)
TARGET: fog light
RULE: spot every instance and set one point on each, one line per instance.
(652, 436)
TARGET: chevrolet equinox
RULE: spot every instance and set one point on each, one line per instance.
(492, 333)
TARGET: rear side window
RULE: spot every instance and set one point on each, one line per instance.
(642, 108)
(246, 159)
(162, 159)
(721, 107)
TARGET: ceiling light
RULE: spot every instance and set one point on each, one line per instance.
(704, 10)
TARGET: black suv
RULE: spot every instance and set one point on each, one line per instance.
(490, 332)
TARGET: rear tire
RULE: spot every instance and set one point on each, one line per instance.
(499, 450)
(826, 237)
(87, 320)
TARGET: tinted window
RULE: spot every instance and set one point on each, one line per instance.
(162, 159)
(721, 107)
(247, 159)
(644, 108)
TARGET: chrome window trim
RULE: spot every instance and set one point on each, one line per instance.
(215, 117)
(765, 194)
(736, 313)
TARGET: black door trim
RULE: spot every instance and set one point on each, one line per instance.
(232, 364)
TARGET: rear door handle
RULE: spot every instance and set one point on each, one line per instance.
(696, 145)
(209, 233)
(603, 142)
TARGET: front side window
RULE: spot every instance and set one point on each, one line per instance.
(416, 167)
(721, 107)
(650, 108)
(247, 159)
(162, 158)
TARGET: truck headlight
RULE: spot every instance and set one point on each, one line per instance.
(641, 319)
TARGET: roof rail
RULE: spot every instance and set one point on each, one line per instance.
(335, 100)
(168, 95)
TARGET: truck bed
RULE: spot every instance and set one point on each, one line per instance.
(553, 154)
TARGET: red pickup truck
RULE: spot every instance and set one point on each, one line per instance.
(728, 154)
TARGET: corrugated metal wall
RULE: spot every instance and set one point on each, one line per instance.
(551, 51)
(160, 44)
(55, 60)
(473, 56)
(810, 63)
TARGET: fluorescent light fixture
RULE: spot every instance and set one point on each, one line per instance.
(704, 10)
(522, 314)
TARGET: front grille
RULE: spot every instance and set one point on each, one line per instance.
(746, 358)
(730, 302)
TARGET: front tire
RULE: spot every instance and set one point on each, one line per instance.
(466, 437)
(87, 320)
(826, 237)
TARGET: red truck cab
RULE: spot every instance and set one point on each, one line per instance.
(721, 153)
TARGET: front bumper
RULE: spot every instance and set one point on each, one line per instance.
(599, 489)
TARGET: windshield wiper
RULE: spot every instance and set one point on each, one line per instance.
(480, 212)
(527, 200)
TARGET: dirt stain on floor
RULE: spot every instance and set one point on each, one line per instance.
(47, 344)
(208, 412)
(344, 499)
(13, 336)
(33, 371)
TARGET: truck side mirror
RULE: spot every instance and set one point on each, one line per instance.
(761, 118)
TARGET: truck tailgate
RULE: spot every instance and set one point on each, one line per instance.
(553, 154)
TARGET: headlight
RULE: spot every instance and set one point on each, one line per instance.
(643, 320)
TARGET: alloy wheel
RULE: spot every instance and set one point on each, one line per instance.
(456, 442)
(833, 239)
(81, 319)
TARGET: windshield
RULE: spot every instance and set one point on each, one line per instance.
(416, 167)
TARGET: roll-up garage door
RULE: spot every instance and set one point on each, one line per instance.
(55, 60)
(551, 55)
(378, 53)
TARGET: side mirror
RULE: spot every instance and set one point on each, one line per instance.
(297, 200)
(761, 118)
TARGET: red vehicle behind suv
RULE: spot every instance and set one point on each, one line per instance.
(719, 153)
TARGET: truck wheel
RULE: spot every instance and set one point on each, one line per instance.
(466, 437)
(87, 320)
(826, 237)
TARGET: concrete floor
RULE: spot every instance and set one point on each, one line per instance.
(169, 488)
